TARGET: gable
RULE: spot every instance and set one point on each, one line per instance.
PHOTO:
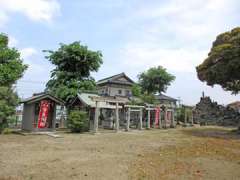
(117, 79)
(42, 96)
(124, 79)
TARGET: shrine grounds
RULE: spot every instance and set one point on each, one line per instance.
(182, 153)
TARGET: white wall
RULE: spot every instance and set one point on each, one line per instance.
(113, 91)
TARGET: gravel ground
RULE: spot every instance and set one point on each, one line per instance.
(190, 153)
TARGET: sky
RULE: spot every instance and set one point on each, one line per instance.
(132, 35)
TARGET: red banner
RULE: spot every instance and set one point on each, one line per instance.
(43, 114)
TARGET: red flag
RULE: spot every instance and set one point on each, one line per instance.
(43, 114)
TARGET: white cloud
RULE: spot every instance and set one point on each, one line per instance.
(28, 52)
(179, 60)
(176, 34)
(36, 10)
(190, 20)
(31, 57)
(3, 18)
(12, 41)
(37, 71)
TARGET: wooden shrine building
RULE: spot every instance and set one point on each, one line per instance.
(39, 112)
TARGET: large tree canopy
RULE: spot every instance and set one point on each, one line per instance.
(74, 63)
(155, 80)
(11, 69)
(222, 66)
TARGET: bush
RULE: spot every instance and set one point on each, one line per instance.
(180, 115)
(78, 121)
(6, 131)
(2, 126)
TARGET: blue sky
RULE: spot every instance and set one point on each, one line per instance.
(132, 35)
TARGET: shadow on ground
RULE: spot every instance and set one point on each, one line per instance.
(213, 132)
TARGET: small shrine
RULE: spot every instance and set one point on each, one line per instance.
(39, 112)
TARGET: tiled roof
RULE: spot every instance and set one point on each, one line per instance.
(164, 97)
(86, 98)
(40, 96)
(114, 79)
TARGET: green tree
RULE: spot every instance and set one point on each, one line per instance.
(222, 65)
(148, 98)
(136, 90)
(74, 63)
(11, 69)
(8, 102)
(155, 80)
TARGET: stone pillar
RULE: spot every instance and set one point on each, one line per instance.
(165, 119)
(160, 120)
(117, 118)
(140, 119)
(128, 119)
(185, 118)
(154, 125)
(192, 120)
(174, 123)
(95, 126)
(172, 119)
(148, 119)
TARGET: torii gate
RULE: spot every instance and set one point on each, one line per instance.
(109, 100)
(158, 109)
(134, 108)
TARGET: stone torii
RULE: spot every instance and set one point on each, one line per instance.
(163, 108)
(132, 108)
(109, 100)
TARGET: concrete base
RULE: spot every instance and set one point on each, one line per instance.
(172, 126)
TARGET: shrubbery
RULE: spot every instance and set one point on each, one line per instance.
(2, 127)
(6, 131)
(78, 121)
(180, 115)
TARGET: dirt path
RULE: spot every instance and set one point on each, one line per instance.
(154, 154)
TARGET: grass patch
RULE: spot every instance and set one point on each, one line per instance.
(190, 158)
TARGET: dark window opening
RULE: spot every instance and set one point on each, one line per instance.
(119, 91)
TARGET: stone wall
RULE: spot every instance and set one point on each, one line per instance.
(208, 112)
